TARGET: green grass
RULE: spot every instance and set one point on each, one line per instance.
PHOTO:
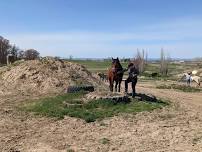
(96, 66)
(90, 111)
(102, 66)
(173, 68)
(70, 150)
(183, 88)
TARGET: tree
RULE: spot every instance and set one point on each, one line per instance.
(70, 57)
(4, 48)
(14, 51)
(139, 60)
(8, 51)
(21, 54)
(146, 58)
(164, 63)
(31, 54)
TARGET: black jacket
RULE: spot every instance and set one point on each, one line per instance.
(133, 72)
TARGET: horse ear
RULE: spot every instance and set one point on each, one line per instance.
(112, 58)
(117, 58)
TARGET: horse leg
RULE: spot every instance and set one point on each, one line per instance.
(119, 86)
(111, 85)
(116, 86)
(199, 82)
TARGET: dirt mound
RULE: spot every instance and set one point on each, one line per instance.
(47, 75)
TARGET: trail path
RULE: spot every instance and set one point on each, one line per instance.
(174, 128)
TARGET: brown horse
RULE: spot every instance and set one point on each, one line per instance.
(115, 73)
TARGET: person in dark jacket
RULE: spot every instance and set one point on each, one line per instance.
(132, 77)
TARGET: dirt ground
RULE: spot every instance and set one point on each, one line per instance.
(174, 128)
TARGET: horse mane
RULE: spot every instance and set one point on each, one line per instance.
(119, 65)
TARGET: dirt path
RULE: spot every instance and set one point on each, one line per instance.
(174, 128)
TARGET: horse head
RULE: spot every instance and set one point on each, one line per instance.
(184, 74)
(116, 63)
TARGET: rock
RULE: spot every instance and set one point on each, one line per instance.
(147, 97)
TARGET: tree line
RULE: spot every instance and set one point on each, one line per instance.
(12, 50)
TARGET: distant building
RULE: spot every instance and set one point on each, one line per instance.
(178, 62)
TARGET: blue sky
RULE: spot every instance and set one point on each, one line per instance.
(104, 28)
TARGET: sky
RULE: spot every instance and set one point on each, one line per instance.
(104, 28)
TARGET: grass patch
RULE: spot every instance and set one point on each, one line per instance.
(105, 141)
(183, 88)
(91, 111)
(70, 150)
(197, 140)
(96, 66)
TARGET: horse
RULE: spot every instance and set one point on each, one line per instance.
(196, 79)
(190, 78)
(115, 74)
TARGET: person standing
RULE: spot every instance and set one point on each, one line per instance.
(188, 78)
(133, 72)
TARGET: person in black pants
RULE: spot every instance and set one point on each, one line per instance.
(132, 77)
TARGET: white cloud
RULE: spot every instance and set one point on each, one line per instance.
(180, 37)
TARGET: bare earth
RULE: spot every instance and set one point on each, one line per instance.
(174, 128)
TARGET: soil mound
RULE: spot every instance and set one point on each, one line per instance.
(47, 75)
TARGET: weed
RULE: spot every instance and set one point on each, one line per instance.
(197, 139)
(70, 150)
(105, 141)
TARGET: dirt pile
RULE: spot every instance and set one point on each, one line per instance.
(47, 75)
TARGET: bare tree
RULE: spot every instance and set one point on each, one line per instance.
(146, 58)
(4, 48)
(31, 54)
(139, 60)
(164, 63)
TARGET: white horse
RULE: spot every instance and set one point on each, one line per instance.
(190, 79)
(196, 79)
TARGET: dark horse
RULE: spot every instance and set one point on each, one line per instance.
(115, 73)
